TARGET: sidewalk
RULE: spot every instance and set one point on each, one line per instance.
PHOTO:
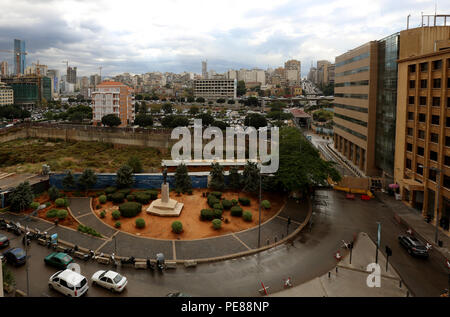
(350, 280)
(414, 219)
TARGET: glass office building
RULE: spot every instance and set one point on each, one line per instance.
(19, 56)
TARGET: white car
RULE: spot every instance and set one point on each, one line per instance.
(69, 283)
(110, 280)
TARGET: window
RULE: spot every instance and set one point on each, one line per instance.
(408, 163)
(447, 140)
(410, 131)
(434, 138)
(409, 147)
(412, 68)
(437, 83)
(423, 83)
(447, 123)
(437, 64)
(448, 102)
(420, 151)
(421, 134)
(446, 181)
(432, 175)
(419, 169)
(436, 101)
(411, 100)
(433, 156)
(422, 117)
(435, 120)
(412, 84)
(422, 101)
(448, 82)
(410, 115)
(423, 67)
(447, 160)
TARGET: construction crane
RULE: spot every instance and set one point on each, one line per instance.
(17, 55)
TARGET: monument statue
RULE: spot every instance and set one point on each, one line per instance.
(165, 175)
(165, 206)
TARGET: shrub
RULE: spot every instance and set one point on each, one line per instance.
(103, 214)
(212, 200)
(88, 230)
(217, 224)
(178, 191)
(140, 223)
(48, 204)
(247, 216)
(124, 191)
(53, 193)
(236, 211)
(34, 205)
(217, 213)
(189, 191)
(142, 197)
(244, 201)
(226, 204)
(109, 197)
(234, 202)
(98, 207)
(110, 190)
(61, 214)
(218, 206)
(115, 214)
(177, 226)
(51, 213)
(102, 199)
(206, 214)
(61, 202)
(117, 198)
(117, 224)
(265, 204)
(130, 209)
(218, 195)
(131, 197)
(152, 193)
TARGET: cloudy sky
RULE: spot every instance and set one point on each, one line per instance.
(175, 35)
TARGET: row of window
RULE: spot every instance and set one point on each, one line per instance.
(355, 96)
(432, 174)
(361, 123)
(353, 71)
(434, 137)
(352, 83)
(353, 59)
(423, 67)
(436, 101)
(424, 83)
(359, 135)
(422, 117)
(354, 108)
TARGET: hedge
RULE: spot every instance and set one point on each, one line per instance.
(61, 214)
(52, 213)
(124, 191)
(236, 211)
(118, 198)
(153, 194)
(102, 199)
(142, 197)
(34, 205)
(218, 206)
(88, 230)
(140, 223)
(131, 197)
(244, 201)
(61, 202)
(212, 200)
(218, 195)
(265, 204)
(206, 214)
(109, 197)
(234, 202)
(115, 214)
(217, 224)
(227, 204)
(217, 213)
(177, 226)
(247, 216)
(130, 209)
(110, 190)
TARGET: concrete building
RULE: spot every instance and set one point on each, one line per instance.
(6, 95)
(205, 69)
(19, 57)
(55, 78)
(323, 72)
(215, 88)
(94, 80)
(112, 97)
(72, 75)
(29, 91)
(422, 156)
(4, 68)
(292, 70)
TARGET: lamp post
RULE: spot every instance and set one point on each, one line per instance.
(259, 221)
(438, 192)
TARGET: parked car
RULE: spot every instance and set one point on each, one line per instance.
(4, 241)
(15, 256)
(59, 260)
(69, 283)
(413, 245)
(110, 280)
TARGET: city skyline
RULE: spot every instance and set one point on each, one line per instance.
(175, 37)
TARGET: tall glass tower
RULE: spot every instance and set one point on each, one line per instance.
(19, 56)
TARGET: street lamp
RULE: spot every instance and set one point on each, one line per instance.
(259, 221)
(438, 171)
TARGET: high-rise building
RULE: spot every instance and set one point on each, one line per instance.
(19, 57)
(54, 76)
(292, 70)
(323, 72)
(30, 90)
(4, 68)
(205, 69)
(215, 88)
(94, 80)
(112, 97)
(72, 75)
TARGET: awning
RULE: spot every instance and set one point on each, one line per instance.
(412, 184)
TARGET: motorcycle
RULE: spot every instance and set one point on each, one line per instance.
(160, 262)
(113, 260)
(12, 227)
(26, 240)
(130, 260)
(150, 265)
(89, 255)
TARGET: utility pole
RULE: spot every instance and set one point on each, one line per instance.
(1, 276)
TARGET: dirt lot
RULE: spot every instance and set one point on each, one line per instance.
(193, 227)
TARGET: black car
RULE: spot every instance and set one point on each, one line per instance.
(413, 246)
(4, 241)
(15, 256)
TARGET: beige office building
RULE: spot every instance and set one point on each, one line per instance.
(215, 88)
(6, 95)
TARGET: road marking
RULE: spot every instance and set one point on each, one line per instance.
(174, 250)
(82, 215)
(51, 227)
(102, 245)
(241, 241)
(293, 221)
(323, 287)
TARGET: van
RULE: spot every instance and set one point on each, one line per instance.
(69, 283)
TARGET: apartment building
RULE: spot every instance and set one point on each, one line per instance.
(6, 95)
(215, 88)
(112, 97)
(422, 156)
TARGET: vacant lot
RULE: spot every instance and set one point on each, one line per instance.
(28, 155)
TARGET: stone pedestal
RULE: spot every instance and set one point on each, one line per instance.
(165, 206)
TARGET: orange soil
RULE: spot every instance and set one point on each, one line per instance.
(193, 227)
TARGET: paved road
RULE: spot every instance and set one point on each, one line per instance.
(335, 219)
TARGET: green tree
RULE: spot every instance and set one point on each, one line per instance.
(255, 120)
(220, 100)
(87, 179)
(125, 176)
(200, 100)
(182, 179)
(231, 102)
(167, 108)
(207, 119)
(172, 121)
(139, 97)
(241, 90)
(135, 163)
(21, 197)
(143, 120)
(234, 179)
(217, 181)
(111, 120)
(68, 181)
(252, 101)
(193, 110)
(190, 99)
(220, 124)
(250, 178)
